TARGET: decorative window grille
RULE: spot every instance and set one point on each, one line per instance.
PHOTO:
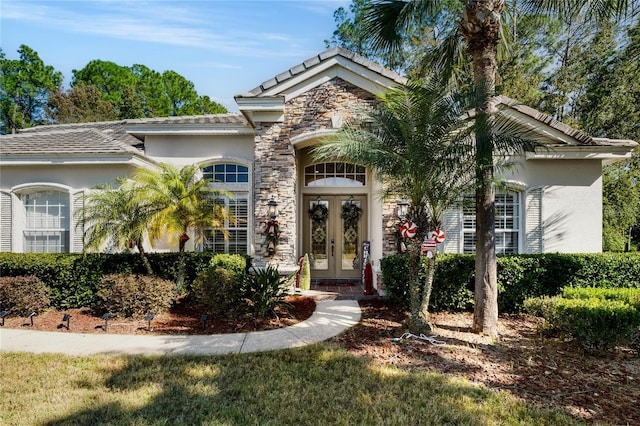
(46, 222)
(507, 222)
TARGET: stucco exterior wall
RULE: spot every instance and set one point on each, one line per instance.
(571, 203)
(560, 210)
(75, 176)
(185, 150)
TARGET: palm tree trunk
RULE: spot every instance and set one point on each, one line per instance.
(423, 314)
(485, 319)
(480, 27)
(145, 259)
(181, 262)
(414, 288)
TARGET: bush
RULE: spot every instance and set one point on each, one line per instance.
(630, 296)
(73, 278)
(395, 276)
(520, 277)
(236, 263)
(452, 283)
(23, 295)
(597, 324)
(264, 291)
(219, 290)
(132, 295)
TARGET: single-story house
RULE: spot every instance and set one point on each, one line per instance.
(552, 201)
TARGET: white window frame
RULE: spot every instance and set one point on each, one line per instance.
(503, 220)
(240, 192)
(335, 174)
(49, 221)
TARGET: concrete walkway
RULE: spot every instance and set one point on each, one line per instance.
(330, 318)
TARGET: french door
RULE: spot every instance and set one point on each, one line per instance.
(334, 229)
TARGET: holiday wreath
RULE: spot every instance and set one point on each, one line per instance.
(351, 212)
(319, 213)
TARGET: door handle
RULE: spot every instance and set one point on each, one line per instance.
(333, 246)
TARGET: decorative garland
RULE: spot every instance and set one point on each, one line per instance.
(319, 213)
(351, 212)
(271, 237)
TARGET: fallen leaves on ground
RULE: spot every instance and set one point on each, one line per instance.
(546, 371)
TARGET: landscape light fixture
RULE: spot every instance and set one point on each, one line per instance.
(30, 317)
(66, 318)
(106, 317)
(3, 314)
(148, 319)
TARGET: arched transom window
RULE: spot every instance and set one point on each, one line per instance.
(226, 173)
(335, 174)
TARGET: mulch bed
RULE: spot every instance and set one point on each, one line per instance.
(545, 371)
(184, 318)
(549, 372)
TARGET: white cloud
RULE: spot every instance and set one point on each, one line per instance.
(155, 22)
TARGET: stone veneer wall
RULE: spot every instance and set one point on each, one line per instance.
(275, 161)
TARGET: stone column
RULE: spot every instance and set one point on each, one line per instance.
(275, 177)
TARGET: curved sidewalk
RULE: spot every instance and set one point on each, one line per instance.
(330, 318)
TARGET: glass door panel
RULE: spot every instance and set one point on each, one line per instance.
(334, 227)
(319, 234)
(351, 216)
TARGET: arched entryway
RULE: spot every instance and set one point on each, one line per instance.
(334, 218)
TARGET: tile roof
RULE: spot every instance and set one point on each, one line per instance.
(581, 137)
(114, 129)
(107, 137)
(317, 60)
(225, 119)
(69, 141)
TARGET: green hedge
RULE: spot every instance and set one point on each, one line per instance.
(519, 277)
(73, 278)
(598, 319)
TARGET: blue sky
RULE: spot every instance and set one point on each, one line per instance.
(224, 47)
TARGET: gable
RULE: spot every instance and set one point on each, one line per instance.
(266, 102)
(560, 141)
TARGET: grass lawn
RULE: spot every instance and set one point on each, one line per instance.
(316, 385)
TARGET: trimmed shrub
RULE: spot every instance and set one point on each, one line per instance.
(265, 290)
(23, 295)
(236, 263)
(630, 296)
(395, 276)
(132, 295)
(70, 279)
(520, 277)
(219, 290)
(73, 278)
(598, 325)
(452, 283)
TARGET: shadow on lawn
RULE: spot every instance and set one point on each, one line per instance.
(312, 385)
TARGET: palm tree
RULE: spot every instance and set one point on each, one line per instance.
(479, 26)
(179, 202)
(417, 146)
(109, 213)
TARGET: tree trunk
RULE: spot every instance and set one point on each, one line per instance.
(485, 319)
(480, 26)
(414, 288)
(423, 314)
(145, 259)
